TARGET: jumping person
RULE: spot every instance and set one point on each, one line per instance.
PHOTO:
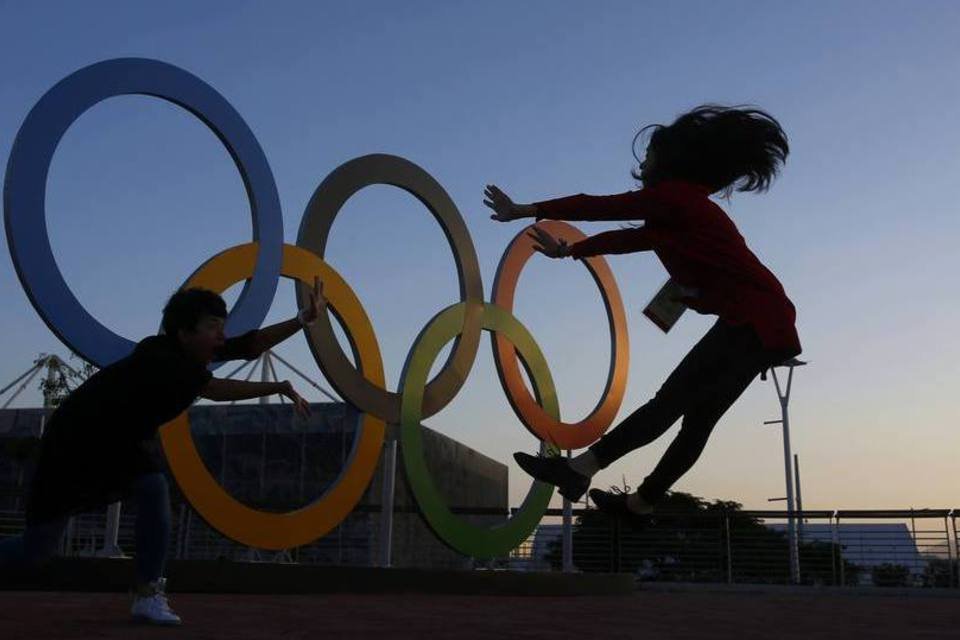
(709, 149)
(102, 443)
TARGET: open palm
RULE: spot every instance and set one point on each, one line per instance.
(504, 209)
(547, 244)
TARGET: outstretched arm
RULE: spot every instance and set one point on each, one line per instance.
(274, 334)
(643, 204)
(222, 389)
(616, 241)
(252, 344)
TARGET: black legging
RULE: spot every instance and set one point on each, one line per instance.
(708, 380)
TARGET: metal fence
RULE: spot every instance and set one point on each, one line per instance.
(907, 548)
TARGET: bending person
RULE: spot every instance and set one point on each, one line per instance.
(102, 443)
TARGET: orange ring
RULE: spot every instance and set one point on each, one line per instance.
(561, 434)
(222, 511)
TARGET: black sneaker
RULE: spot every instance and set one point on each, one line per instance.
(614, 505)
(556, 471)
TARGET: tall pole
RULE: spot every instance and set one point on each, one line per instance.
(791, 522)
(52, 370)
(567, 545)
(796, 478)
(784, 397)
(386, 502)
(265, 374)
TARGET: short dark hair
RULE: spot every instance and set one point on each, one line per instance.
(718, 146)
(186, 307)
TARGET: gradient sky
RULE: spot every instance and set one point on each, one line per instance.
(543, 99)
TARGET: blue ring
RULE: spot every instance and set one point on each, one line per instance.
(26, 180)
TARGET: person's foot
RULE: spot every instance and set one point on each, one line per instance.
(556, 471)
(619, 506)
(150, 604)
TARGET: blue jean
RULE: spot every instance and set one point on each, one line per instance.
(39, 542)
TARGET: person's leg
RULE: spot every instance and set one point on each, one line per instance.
(698, 423)
(682, 387)
(152, 526)
(37, 543)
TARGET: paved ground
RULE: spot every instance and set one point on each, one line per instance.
(53, 615)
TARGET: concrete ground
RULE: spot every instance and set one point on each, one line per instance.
(39, 615)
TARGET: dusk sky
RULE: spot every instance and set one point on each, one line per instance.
(543, 99)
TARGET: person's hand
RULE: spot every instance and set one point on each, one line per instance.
(317, 303)
(548, 245)
(299, 404)
(505, 209)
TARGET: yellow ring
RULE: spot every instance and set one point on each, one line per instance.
(262, 529)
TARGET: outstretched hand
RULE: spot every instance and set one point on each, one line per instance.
(302, 406)
(548, 245)
(505, 209)
(317, 303)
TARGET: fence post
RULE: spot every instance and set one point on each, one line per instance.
(838, 547)
(386, 503)
(567, 531)
(615, 547)
(833, 552)
(956, 544)
(950, 556)
(111, 532)
(68, 537)
(726, 527)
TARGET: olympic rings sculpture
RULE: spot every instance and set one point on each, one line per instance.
(262, 262)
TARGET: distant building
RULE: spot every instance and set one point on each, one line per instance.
(868, 545)
(268, 460)
(545, 543)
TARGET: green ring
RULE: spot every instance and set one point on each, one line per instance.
(474, 541)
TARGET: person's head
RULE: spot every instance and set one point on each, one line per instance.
(195, 318)
(715, 146)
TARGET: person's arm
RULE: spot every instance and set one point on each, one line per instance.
(612, 242)
(617, 241)
(250, 345)
(643, 204)
(222, 390)
(267, 337)
(242, 347)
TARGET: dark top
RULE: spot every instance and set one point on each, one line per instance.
(105, 433)
(700, 247)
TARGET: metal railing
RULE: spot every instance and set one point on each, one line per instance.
(903, 548)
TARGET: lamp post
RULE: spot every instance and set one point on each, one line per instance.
(784, 397)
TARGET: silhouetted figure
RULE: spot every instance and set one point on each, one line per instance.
(102, 443)
(712, 148)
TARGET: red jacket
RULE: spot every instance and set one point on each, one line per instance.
(699, 246)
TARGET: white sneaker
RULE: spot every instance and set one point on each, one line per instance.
(150, 605)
